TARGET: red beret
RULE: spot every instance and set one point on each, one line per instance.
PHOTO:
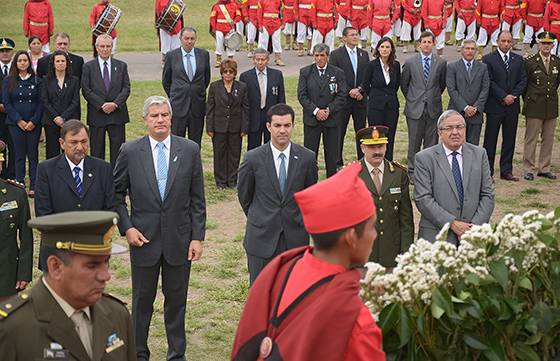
(338, 202)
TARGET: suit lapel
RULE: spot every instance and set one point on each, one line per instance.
(65, 173)
(199, 64)
(268, 161)
(433, 65)
(293, 168)
(102, 329)
(88, 176)
(462, 68)
(366, 177)
(174, 163)
(114, 70)
(467, 166)
(387, 175)
(315, 74)
(443, 164)
(147, 160)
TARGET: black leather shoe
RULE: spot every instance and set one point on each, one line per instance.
(529, 176)
(509, 177)
(548, 175)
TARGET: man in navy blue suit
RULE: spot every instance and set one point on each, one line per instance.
(508, 81)
(266, 88)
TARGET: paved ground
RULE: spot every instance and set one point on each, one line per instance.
(147, 66)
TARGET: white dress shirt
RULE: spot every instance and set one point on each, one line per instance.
(102, 65)
(193, 60)
(166, 149)
(386, 73)
(79, 165)
(276, 156)
(2, 68)
(503, 54)
(450, 157)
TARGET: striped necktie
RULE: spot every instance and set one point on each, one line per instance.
(162, 168)
(426, 68)
(78, 180)
(456, 170)
(506, 62)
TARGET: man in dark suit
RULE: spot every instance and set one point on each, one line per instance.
(185, 77)
(265, 88)
(162, 175)
(106, 87)
(62, 43)
(468, 85)
(322, 93)
(508, 80)
(353, 61)
(268, 178)
(6, 144)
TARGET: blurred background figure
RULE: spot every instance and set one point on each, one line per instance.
(35, 50)
(38, 20)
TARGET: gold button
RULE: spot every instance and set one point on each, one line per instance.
(381, 233)
(24, 296)
(381, 221)
(380, 209)
(380, 198)
(9, 306)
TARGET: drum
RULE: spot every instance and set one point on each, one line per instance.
(107, 21)
(233, 40)
(171, 15)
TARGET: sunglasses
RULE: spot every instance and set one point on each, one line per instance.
(229, 71)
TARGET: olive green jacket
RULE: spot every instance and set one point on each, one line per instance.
(541, 98)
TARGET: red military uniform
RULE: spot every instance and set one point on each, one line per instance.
(358, 13)
(533, 12)
(448, 9)
(160, 8)
(38, 20)
(249, 11)
(488, 14)
(552, 17)
(218, 20)
(344, 8)
(289, 11)
(323, 15)
(511, 12)
(411, 13)
(268, 15)
(95, 13)
(380, 16)
(466, 10)
(304, 11)
(433, 12)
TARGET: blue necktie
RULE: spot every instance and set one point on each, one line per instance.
(354, 61)
(506, 62)
(78, 180)
(282, 172)
(161, 169)
(457, 176)
(426, 68)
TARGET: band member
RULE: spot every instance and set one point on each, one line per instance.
(168, 40)
(38, 21)
(397, 25)
(250, 18)
(304, 24)
(289, 23)
(343, 9)
(323, 19)
(488, 19)
(449, 16)
(512, 19)
(411, 24)
(224, 15)
(269, 27)
(358, 17)
(532, 13)
(94, 15)
(240, 25)
(433, 16)
(382, 16)
(552, 21)
(466, 24)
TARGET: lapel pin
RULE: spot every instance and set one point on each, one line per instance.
(4, 191)
(90, 175)
(295, 157)
(175, 159)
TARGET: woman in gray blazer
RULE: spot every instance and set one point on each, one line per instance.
(227, 121)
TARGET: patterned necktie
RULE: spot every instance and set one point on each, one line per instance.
(426, 68)
(376, 180)
(79, 318)
(506, 62)
(161, 169)
(78, 180)
(262, 88)
(190, 74)
(469, 67)
(282, 172)
(354, 61)
(106, 79)
(457, 176)
(5, 71)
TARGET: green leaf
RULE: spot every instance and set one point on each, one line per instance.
(420, 324)
(499, 271)
(542, 313)
(472, 279)
(525, 352)
(442, 299)
(388, 317)
(437, 311)
(405, 326)
(496, 351)
(474, 342)
(547, 239)
(534, 339)
(532, 326)
(526, 284)
(457, 300)
(557, 213)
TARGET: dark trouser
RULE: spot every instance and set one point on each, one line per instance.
(508, 123)
(97, 140)
(52, 146)
(312, 138)
(473, 133)
(358, 111)
(227, 153)
(256, 263)
(9, 167)
(26, 146)
(255, 139)
(174, 283)
(389, 118)
(422, 134)
(194, 124)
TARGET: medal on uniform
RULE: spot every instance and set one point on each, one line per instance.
(113, 342)
(274, 90)
(55, 352)
(266, 347)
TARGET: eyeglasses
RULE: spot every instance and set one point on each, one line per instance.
(449, 128)
(229, 71)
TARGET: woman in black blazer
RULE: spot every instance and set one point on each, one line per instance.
(60, 94)
(227, 121)
(382, 80)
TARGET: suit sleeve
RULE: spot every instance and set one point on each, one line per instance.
(43, 204)
(521, 84)
(26, 21)
(123, 95)
(122, 184)
(281, 89)
(13, 114)
(207, 75)
(25, 256)
(246, 184)
(406, 217)
(49, 112)
(91, 97)
(442, 76)
(452, 90)
(7, 345)
(483, 96)
(75, 104)
(303, 92)
(109, 189)
(245, 112)
(405, 78)
(38, 114)
(198, 203)
(167, 75)
(486, 200)
(312, 175)
(498, 92)
(210, 109)
(366, 83)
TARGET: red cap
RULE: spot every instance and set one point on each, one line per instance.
(338, 202)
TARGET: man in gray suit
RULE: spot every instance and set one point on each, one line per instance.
(468, 85)
(452, 182)
(162, 175)
(422, 83)
(185, 77)
(268, 178)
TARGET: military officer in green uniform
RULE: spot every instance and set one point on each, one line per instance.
(388, 184)
(66, 315)
(540, 107)
(15, 260)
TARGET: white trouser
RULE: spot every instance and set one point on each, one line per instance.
(555, 48)
(276, 44)
(239, 27)
(461, 27)
(449, 25)
(516, 30)
(46, 48)
(251, 33)
(397, 25)
(220, 45)
(290, 28)
(529, 32)
(406, 29)
(376, 37)
(364, 34)
(301, 31)
(440, 40)
(318, 38)
(483, 37)
(342, 23)
(168, 42)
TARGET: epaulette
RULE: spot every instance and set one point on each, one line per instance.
(532, 56)
(402, 167)
(16, 183)
(115, 299)
(9, 306)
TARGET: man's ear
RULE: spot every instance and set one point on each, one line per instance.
(55, 267)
